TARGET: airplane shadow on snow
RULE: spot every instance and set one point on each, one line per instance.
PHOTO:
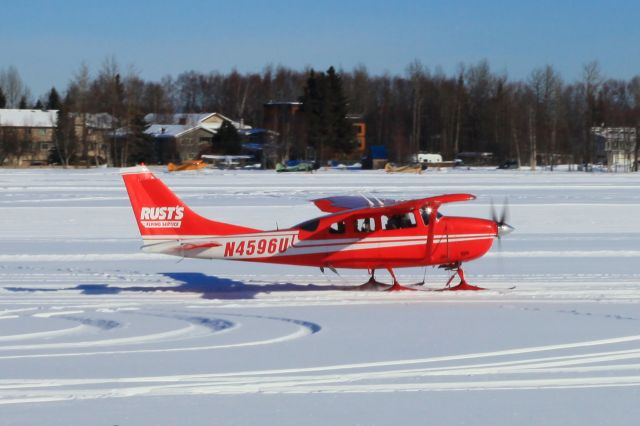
(211, 287)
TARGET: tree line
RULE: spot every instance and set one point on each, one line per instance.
(532, 120)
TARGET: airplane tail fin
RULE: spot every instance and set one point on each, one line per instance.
(160, 214)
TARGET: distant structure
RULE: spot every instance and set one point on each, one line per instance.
(360, 127)
(473, 158)
(94, 134)
(26, 136)
(286, 121)
(616, 147)
(180, 137)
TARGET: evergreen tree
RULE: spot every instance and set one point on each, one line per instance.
(341, 131)
(227, 140)
(23, 103)
(54, 156)
(65, 135)
(53, 101)
(325, 109)
(3, 99)
(314, 107)
(141, 144)
(38, 105)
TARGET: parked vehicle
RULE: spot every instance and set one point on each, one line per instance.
(508, 165)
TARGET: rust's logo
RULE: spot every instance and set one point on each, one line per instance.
(161, 217)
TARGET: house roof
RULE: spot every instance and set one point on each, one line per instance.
(184, 119)
(614, 132)
(210, 120)
(171, 130)
(28, 118)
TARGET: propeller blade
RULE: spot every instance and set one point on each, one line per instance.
(494, 215)
(505, 212)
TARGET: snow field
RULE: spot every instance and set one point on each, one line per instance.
(88, 324)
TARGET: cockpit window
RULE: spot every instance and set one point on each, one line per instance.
(310, 225)
(426, 214)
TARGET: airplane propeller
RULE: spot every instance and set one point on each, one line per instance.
(503, 227)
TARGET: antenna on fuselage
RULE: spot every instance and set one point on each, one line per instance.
(380, 202)
(368, 200)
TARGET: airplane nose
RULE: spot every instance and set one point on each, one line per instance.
(504, 229)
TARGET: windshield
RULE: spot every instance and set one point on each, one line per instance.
(309, 226)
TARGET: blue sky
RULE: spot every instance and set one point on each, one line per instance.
(48, 40)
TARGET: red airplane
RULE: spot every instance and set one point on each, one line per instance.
(359, 232)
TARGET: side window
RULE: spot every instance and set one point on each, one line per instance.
(337, 228)
(399, 221)
(367, 224)
(388, 223)
(408, 220)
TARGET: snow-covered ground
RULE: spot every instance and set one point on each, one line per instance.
(94, 332)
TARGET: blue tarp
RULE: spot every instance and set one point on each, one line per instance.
(379, 152)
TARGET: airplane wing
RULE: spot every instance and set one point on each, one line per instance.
(351, 202)
(433, 202)
(339, 206)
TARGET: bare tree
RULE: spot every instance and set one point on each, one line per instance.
(591, 82)
(13, 87)
(417, 75)
(79, 97)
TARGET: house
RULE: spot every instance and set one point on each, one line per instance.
(26, 136)
(94, 135)
(180, 137)
(616, 146)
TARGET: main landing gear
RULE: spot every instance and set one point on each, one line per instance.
(463, 284)
(396, 286)
(375, 285)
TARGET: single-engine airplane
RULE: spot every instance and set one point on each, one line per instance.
(226, 161)
(358, 232)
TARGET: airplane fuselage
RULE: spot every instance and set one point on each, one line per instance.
(455, 239)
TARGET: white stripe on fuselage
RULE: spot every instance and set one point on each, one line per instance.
(266, 245)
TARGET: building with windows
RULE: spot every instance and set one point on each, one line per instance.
(26, 136)
(616, 146)
(94, 136)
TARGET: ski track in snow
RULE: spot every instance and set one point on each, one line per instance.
(65, 298)
(598, 363)
(490, 371)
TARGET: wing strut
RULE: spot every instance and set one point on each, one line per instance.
(432, 227)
